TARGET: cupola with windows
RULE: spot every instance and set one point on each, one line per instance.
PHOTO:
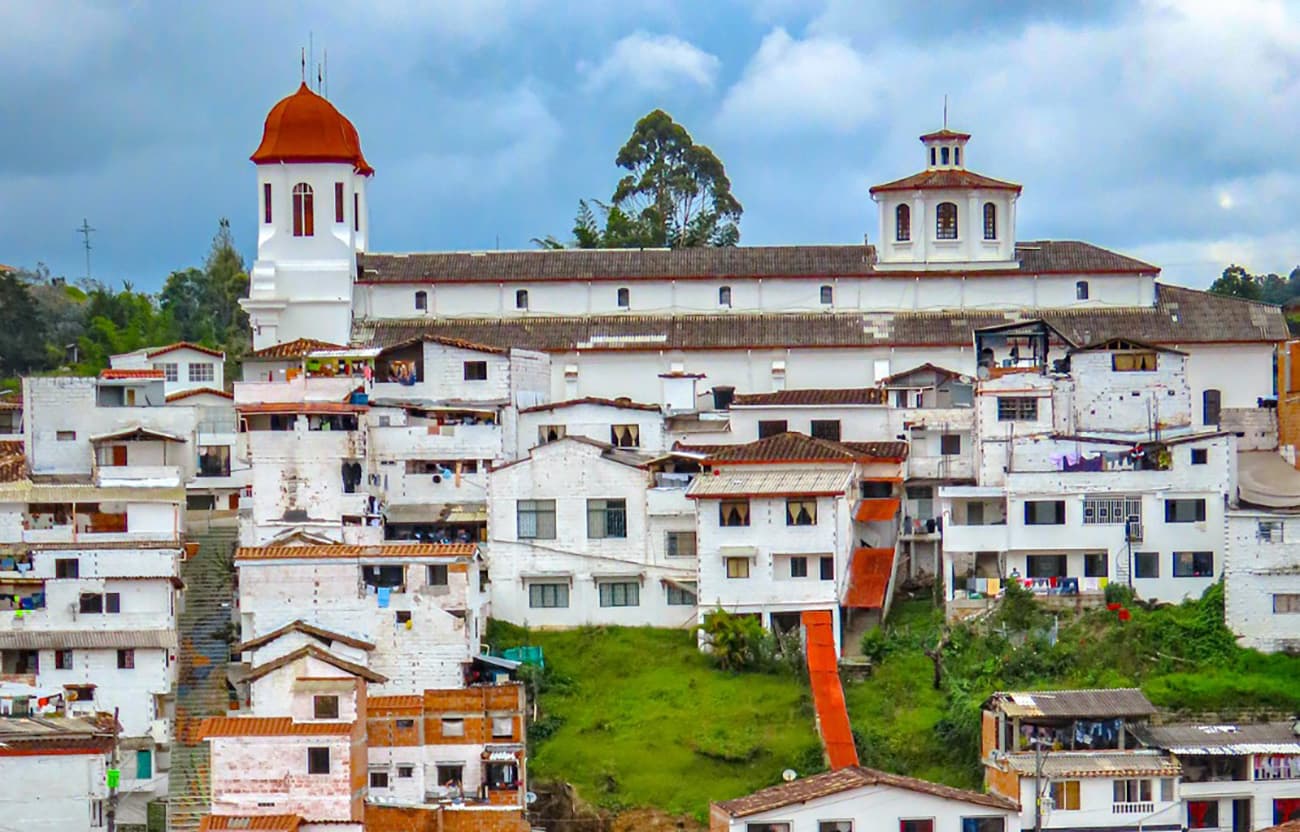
(946, 217)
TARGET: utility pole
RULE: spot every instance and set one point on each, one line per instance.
(1038, 788)
(85, 231)
(111, 820)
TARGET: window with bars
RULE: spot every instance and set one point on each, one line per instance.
(902, 224)
(1017, 409)
(547, 596)
(625, 436)
(990, 221)
(621, 594)
(800, 512)
(606, 518)
(733, 513)
(1105, 511)
(771, 427)
(798, 567)
(825, 429)
(945, 221)
(536, 519)
(304, 213)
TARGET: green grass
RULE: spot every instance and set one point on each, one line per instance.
(644, 719)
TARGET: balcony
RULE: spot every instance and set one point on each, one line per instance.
(1143, 808)
(137, 476)
(433, 441)
(424, 489)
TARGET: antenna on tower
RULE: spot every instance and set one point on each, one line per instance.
(311, 47)
(945, 111)
(326, 93)
(85, 232)
(302, 60)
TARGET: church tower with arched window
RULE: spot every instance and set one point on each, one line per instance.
(312, 222)
(946, 217)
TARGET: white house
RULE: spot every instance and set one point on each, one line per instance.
(1261, 585)
(856, 799)
(185, 367)
(54, 770)
(621, 423)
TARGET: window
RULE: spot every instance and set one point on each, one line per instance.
(801, 512)
(1065, 794)
(536, 519)
(1193, 564)
(405, 723)
(266, 202)
(67, 568)
(825, 429)
(724, 296)
(338, 202)
(902, 224)
(503, 726)
(1210, 403)
(550, 433)
(126, 659)
(733, 513)
(214, 461)
(422, 301)
(1200, 456)
(65, 436)
(92, 603)
(453, 727)
(950, 444)
(521, 299)
(679, 544)
(771, 427)
(1202, 814)
(1285, 809)
(1146, 564)
(624, 298)
(63, 658)
(476, 371)
(201, 372)
(767, 827)
(170, 371)
(378, 779)
(1287, 603)
(681, 596)
(356, 212)
(621, 594)
(1045, 512)
(96, 814)
(318, 760)
(606, 518)
(1132, 791)
(984, 824)
(548, 596)
(450, 773)
(916, 825)
(304, 215)
(827, 567)
(1095, 565)
(325, 707)
(1166, 790)
(625, 436)
(798, 567)
(945, 219)
(956, 155)
(402, 616)
(834, 826)
(737, 567)
(1017, 409)
(990, 221)
(1046, 566)
(437, 574)
(405, 772)
(1184, 511)
(144, 764)
(827, 295)
(1133, 361)
(934, 152)
(1081, 290)
(1105, 511)
(943, 155)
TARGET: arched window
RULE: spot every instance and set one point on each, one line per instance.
(304, 214)
(990, 221)
(422, 300)
(943, 154)
(828, 295)
(724, 296)
(945, 221)
(624, 298)
(1081, 290)
(521, 299)
(902, 223)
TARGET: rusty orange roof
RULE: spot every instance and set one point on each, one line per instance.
(296, 348)
(121, 374)
(403, 703)
(185, 345)
(266, 823)
(869, 574)
(199, 391)
(304, 127)
(340, 550)
(269, 726)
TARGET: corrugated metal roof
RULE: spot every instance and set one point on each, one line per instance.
(770, 483)
(1097, 764)
(1096, 703)
(1227, 739)
(86, 639)
(27, 491)
(392, 550)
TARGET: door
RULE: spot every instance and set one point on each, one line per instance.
(119, 456)
(1210, 403)
(1241, 815)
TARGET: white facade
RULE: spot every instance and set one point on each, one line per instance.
(625, 424)
(1261, 583)
(185, 367)
(61, 791)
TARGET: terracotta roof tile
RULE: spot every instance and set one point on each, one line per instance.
(389, 550)
(946, 178)
(797, 447)
(448, 341)
(269, 726)
(13, 466)
(259, 823)
(389, 704)
(846, 779)
(945, 133)
(125, 374)
(186, 345)
(845, 396)
(625, 404)
(199, 391)
(296, 348)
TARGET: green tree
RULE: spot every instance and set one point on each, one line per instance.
(118, 322)
(675, 194)
(22, 329)
(204, 303)
(1237, 282)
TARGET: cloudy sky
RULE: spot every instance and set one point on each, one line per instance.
(1169, 130)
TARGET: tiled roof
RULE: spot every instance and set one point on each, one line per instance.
(769, 484)
(625, 404)
(844, 396)
(946, 178)
(303, 627)
(13, 466)
(312, 651)
(459, 343)
(87, 639)
(1097, 764)
(1243, 738)
(1180, 316)
(388, 550)
(186, 345)
(199, 391)
(258, 823)
(847, 779)
(945, 133)
(11, 403)
(1094, 703)
(10, 446)
(400, 702)
(269, 726)
(112, 375)
(296, 348)
(797, 447)
(29, 735)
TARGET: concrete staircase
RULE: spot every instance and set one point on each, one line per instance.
(201, 677)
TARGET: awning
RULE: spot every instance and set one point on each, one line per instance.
(869, 575)
(138, 433)
(502, 757)
(870, 511)
(684, 586)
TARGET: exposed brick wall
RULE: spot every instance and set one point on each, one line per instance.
(988, 733)
(442, 819)
(1005, 783)
(1288, 397)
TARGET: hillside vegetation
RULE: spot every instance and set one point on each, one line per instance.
(637, 717)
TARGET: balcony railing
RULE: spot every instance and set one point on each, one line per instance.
(1143, 808)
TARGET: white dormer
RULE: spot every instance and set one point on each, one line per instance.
(946, 218)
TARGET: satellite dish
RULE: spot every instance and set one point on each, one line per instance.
(530, 798)
(789, 775)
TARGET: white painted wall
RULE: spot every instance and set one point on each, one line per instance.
(594, 422)
(52, 792)
(1257, 569)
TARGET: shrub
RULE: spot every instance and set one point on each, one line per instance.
(738, 642)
